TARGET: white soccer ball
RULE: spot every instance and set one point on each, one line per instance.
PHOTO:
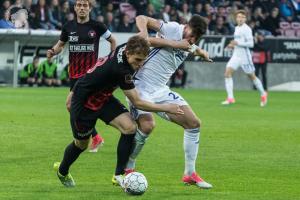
(135, 183)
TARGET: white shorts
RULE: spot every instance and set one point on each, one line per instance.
(245, 63)
(160, 96)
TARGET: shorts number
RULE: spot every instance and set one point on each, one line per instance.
(171, 94)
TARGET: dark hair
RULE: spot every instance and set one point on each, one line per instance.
(138, 45)
(198, 25)
(243, 12)
(36, 57)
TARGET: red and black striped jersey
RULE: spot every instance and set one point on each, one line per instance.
(83, 44)
(96, 87)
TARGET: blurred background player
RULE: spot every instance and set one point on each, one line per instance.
(47, 73)
(28, 74)
(178, 79)
(260, 58)
(93, 99)
(241, 57)
(64, 76)
(151, 81)
(83, 35)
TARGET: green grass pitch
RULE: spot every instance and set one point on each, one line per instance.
(246, 152)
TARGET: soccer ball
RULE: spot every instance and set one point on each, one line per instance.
(135, 183)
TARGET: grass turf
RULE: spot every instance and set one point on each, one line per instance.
(246, 152)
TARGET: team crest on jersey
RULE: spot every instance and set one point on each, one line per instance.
(128, 78)
(73, 38)
(92, 33)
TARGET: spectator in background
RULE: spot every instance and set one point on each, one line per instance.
(100, 19)
(5, 22)
(47, 73)
(258, 17)
(110, 23)
(124, 25)
(174, 15)
(65, 11)
(272, 22)
(260, 52)
(198, 9)
(55, 16)
(185, 13)
(18, 17)
(28, 74)
(41, 16)
(220, 28)
(140, 6)
(151, 11)
(166, 13)
(178, 79)
(286, 10)
(5, 6)
(96, 9)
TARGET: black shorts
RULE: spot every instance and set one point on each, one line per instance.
(73, 82)
(83, 125)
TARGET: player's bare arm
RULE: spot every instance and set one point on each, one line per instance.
(202, 53)
(144, 22)
(133, 96)
(113, 43)
(56, 49)
(160, 42)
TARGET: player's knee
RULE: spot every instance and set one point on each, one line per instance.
(82, 144)
(129, 128)
(194, 123)
(147, 127)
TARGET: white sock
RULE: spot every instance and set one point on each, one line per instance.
(191, 145)
(229, 87)
(139, 141)
(259, 86)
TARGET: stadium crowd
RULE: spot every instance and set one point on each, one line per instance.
(275, 17)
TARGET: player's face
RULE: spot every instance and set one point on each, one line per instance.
(240, 19)
(82, 8)
(188, 34)
(136, 61)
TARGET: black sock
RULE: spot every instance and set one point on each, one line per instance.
(72, 152)
(124, 150)
(94, 133)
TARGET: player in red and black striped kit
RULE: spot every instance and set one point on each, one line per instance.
(83, 35)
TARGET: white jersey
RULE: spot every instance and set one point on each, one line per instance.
(243, 36)
(162, 62)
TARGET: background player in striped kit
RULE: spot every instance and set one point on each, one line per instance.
(83, 35)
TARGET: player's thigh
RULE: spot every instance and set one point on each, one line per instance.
(146, 123)
(114, 113)
(124, 123)
(232, 65)
(188, 120)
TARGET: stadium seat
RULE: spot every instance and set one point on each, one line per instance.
(290, 33)
(295, 25)
(284, 25)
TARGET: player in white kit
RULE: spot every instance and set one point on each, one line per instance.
(241, 57)
(151, 83)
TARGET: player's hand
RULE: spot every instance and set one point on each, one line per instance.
(205, 55)
(182, 44)
(174, 109)
(50, 53)
(68, 101)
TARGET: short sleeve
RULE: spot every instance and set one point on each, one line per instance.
(103, 31)
(64, 34)
(125, 81)
(170, 30)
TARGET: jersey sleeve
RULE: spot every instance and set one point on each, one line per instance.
(103, 31)
(169, 30)
(125, 80)
(247, 39)
(64, 34)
